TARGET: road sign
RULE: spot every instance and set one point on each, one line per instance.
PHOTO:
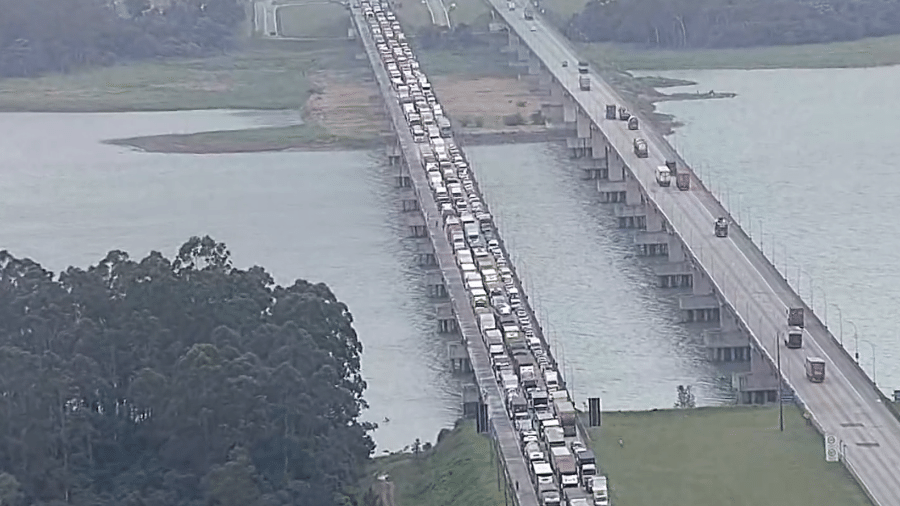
(831, 448)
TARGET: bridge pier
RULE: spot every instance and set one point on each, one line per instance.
(446, 319)
(434, 283)
(759, 385)
(552, 106)
(416, 226)
(674, 275)
(425, 256)
(408, 200)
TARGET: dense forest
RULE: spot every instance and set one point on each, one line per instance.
(175, 382)
(39, 36)
(728, 23)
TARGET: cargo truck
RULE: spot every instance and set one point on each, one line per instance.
(640, 148)
(673, 167)
(564, 464)
(624, 114)
(577, 497)
(587, 467)
(721, 227)
(794, 337)
(584, 82)
(610, 111)
(663, 178)
(600, 491)
(815, 369)
(565, 411)
(683, 181)
(795, 317)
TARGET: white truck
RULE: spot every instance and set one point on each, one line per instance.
(600, 491)
(663, 176)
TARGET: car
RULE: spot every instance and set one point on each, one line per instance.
(533, 28)
(565, 63)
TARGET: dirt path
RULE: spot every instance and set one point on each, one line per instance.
(386, 493)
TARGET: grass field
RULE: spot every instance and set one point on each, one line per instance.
(264, 75)
(718, 456)
(313, 20)
(459, 471)
(862, 53)
(307, 137)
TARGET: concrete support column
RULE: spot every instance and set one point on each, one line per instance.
(676, 250)
(655, 224)
(702, 284)
(633, 193)
(513, 40)
(617, 168)
(534, 65)
(523, 52)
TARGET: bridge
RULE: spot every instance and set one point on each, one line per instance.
(732, 281)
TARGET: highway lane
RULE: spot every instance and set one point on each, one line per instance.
(748, 283)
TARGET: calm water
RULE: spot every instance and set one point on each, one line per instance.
(796, 149)
(810, 158)
(319, 216)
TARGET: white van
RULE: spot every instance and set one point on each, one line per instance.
(551, 379)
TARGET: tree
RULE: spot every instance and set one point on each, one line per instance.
(685, 398)
(176, 382)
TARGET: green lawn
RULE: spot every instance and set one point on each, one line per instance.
(861, 53)
(719, 456)
(263, 75)
(313, 20)
(460, 471)
(306, 137)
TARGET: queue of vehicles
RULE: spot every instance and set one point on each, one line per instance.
(563, 470)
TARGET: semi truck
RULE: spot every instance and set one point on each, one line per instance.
(683, 181)
(794, 337)
(663, 178)
(564, 464)
(565, 411)
(640, 148)
(673, 167)
(584, 82)
(610, 111)
(587, 467)
(815, 369)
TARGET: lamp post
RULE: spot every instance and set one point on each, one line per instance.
(856, 337)
(841, 322)
(874, 381)
(780, 381)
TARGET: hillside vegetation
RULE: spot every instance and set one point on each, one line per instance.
(38, 36)
(725, 24)
(176, 382)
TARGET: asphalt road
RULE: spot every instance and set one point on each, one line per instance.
(846, 404)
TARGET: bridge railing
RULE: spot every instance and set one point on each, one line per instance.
(510, 489)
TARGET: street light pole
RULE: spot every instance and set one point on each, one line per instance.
(856, 337)
(874, 381)
(841, 322)
(780, 398)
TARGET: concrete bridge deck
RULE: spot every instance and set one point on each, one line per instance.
(505, 433)
(846, 405)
